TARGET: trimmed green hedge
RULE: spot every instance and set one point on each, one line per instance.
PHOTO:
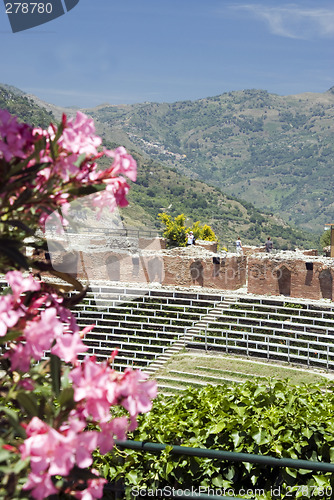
(268, 418)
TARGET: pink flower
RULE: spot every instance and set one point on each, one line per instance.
(55, 453)
(27, 384)
(18, 358)
(123, 163)
(65, 315)
(20, 284)
(17, 138)
(40, 485)
(41, 333)
(65, 167)
(98, 387)
(114, 194)
(68, 346)
(48, 450)
(8, 315)
(94, 489)
(85, 444)
(92, 383)
(120, 188)
(117, 427)
(104, 199)
(134, 394)
(79, 136)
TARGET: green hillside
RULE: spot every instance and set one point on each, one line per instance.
(164, 189)
(17, 103)
(161, 188)
(274, 151)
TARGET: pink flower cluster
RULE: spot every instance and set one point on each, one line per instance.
(45, 170)
(97, 387)
(37, 328)
(53, 452)
(16, 139)
(79, 136)
(70, 164)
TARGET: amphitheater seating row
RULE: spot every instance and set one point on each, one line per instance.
(248, 328)
(291, 307)
(141, 324)
(248, 322)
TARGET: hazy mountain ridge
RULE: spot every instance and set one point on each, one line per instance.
(160, 188)
(274, 151)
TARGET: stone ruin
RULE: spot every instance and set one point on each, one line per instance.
(124, 259)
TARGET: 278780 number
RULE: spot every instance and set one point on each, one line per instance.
(28, 8)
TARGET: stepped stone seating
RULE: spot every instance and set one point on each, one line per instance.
(278, 330)
(173, 381)
(145, 323)
(141, 324)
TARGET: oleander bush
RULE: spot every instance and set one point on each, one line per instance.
(55, 410)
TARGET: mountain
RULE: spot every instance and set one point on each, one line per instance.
(159, 188)
(18, 103)
(276, 152)
(163, 188)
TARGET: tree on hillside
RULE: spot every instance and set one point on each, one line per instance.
(325, 238)
(176, 231)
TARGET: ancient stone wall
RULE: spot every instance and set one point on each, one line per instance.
(309, 279)
(292, 274)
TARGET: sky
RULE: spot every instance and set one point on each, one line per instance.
(129, 51)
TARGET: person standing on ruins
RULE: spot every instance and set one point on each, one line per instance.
(268, 245)
(190, 238)
(238, 246)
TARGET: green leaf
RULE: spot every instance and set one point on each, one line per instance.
(321, 481)
(66, 396)
(12, 415)
(9, 248)
(20, 465)
(19, 224)
(237, 438)
(80, 160)
(218, 481)
(23, 198)
(55, 367)
(11, 335)
(29, 402)
(13, 419)
(169, 468)
(4, 455)
(291, 472)
(260, 437)
(132, 477)
(307, 432)
(216, 429)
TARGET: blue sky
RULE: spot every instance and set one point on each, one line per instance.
(130, 51)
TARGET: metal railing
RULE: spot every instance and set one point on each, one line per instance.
(229, 456)
(136, 233)
(271, 343)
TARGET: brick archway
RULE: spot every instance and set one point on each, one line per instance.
(113, 268)
(326, 283)
(197, 272)
(284, 281)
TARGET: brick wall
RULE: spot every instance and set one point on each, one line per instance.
(292, 278)
(293, 274)
(178, 270)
